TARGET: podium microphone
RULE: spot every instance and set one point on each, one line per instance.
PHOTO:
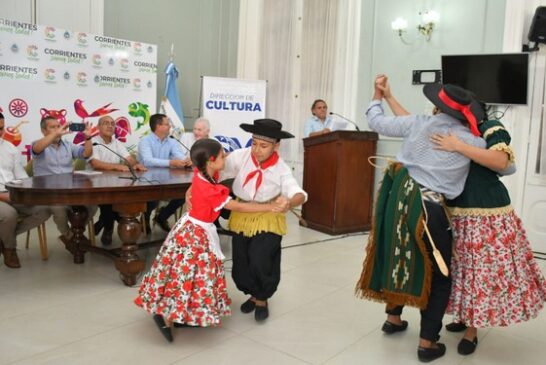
(348, 120)
(134, 176)
(182, 144)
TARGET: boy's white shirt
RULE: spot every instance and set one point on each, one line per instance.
(277, 179)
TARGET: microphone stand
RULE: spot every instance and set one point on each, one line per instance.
(134, 176)
(182, 144)
(348, 120)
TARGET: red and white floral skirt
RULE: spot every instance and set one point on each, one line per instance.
(186, 283)
(496, 280)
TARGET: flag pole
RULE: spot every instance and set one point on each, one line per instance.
(171, 58)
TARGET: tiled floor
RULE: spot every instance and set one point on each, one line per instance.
(55, 312)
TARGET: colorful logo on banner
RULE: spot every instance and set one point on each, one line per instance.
(136, 84)
(13, 135)
(49, 75)
(82, 112)
(124, 63)
(82, 39)
(81, 78)
(32, 52)
(140, 110)
(97, 61)
(18, 108)
(49, 33)
(137, 48)
(67, 35)
(60, 114)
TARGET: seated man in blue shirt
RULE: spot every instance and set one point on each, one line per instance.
(158, 150)
(51, 155)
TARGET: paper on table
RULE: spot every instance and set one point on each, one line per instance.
(338, 126)
(87, 172)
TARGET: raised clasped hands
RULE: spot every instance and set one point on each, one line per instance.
(445, 142)
(381, 86)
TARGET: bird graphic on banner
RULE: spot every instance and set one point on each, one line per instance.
(82, 112)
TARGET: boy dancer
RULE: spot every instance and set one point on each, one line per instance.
(260, 175)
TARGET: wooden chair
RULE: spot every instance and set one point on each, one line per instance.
(42, 236)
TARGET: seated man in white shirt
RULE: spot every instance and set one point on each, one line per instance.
(201, 129)
(106, 160)
(14, 218)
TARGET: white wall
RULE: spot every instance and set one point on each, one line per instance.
(465, 26)
(78, 15)
(204, 34)
(20, 10)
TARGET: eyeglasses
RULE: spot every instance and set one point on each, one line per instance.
(109, 124)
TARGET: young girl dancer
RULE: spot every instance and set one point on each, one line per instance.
(186, 283)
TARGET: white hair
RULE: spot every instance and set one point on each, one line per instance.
(205, 121)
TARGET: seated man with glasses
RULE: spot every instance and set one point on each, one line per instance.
(158, 150)
(106, 160)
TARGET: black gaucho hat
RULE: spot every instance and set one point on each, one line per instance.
(269, 128)
(457, 102)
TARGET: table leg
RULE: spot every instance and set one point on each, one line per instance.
(77, 216)
(128, 263)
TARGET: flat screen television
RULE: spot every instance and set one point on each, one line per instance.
(494, 78)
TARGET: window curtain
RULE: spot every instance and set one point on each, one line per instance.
(298, 56)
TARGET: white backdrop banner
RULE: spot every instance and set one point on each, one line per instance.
(229, 102)
(75, 77)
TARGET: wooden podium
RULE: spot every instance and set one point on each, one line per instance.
(339, 180)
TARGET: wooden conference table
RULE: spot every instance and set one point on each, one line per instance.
(128, 198)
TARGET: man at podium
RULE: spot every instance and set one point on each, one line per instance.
(320, 122)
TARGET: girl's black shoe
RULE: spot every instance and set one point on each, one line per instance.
(163, 328)
(455, 327)
(466, 347)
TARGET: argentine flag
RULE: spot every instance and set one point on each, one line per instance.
(171, 105)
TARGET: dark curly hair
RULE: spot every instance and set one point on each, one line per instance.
(201, 152)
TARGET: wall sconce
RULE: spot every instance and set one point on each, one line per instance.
(429, 19)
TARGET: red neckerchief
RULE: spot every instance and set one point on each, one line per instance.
(465, 109)
(271, 161)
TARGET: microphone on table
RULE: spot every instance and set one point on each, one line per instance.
(134, 176)
(348, 120)
(182, 144)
